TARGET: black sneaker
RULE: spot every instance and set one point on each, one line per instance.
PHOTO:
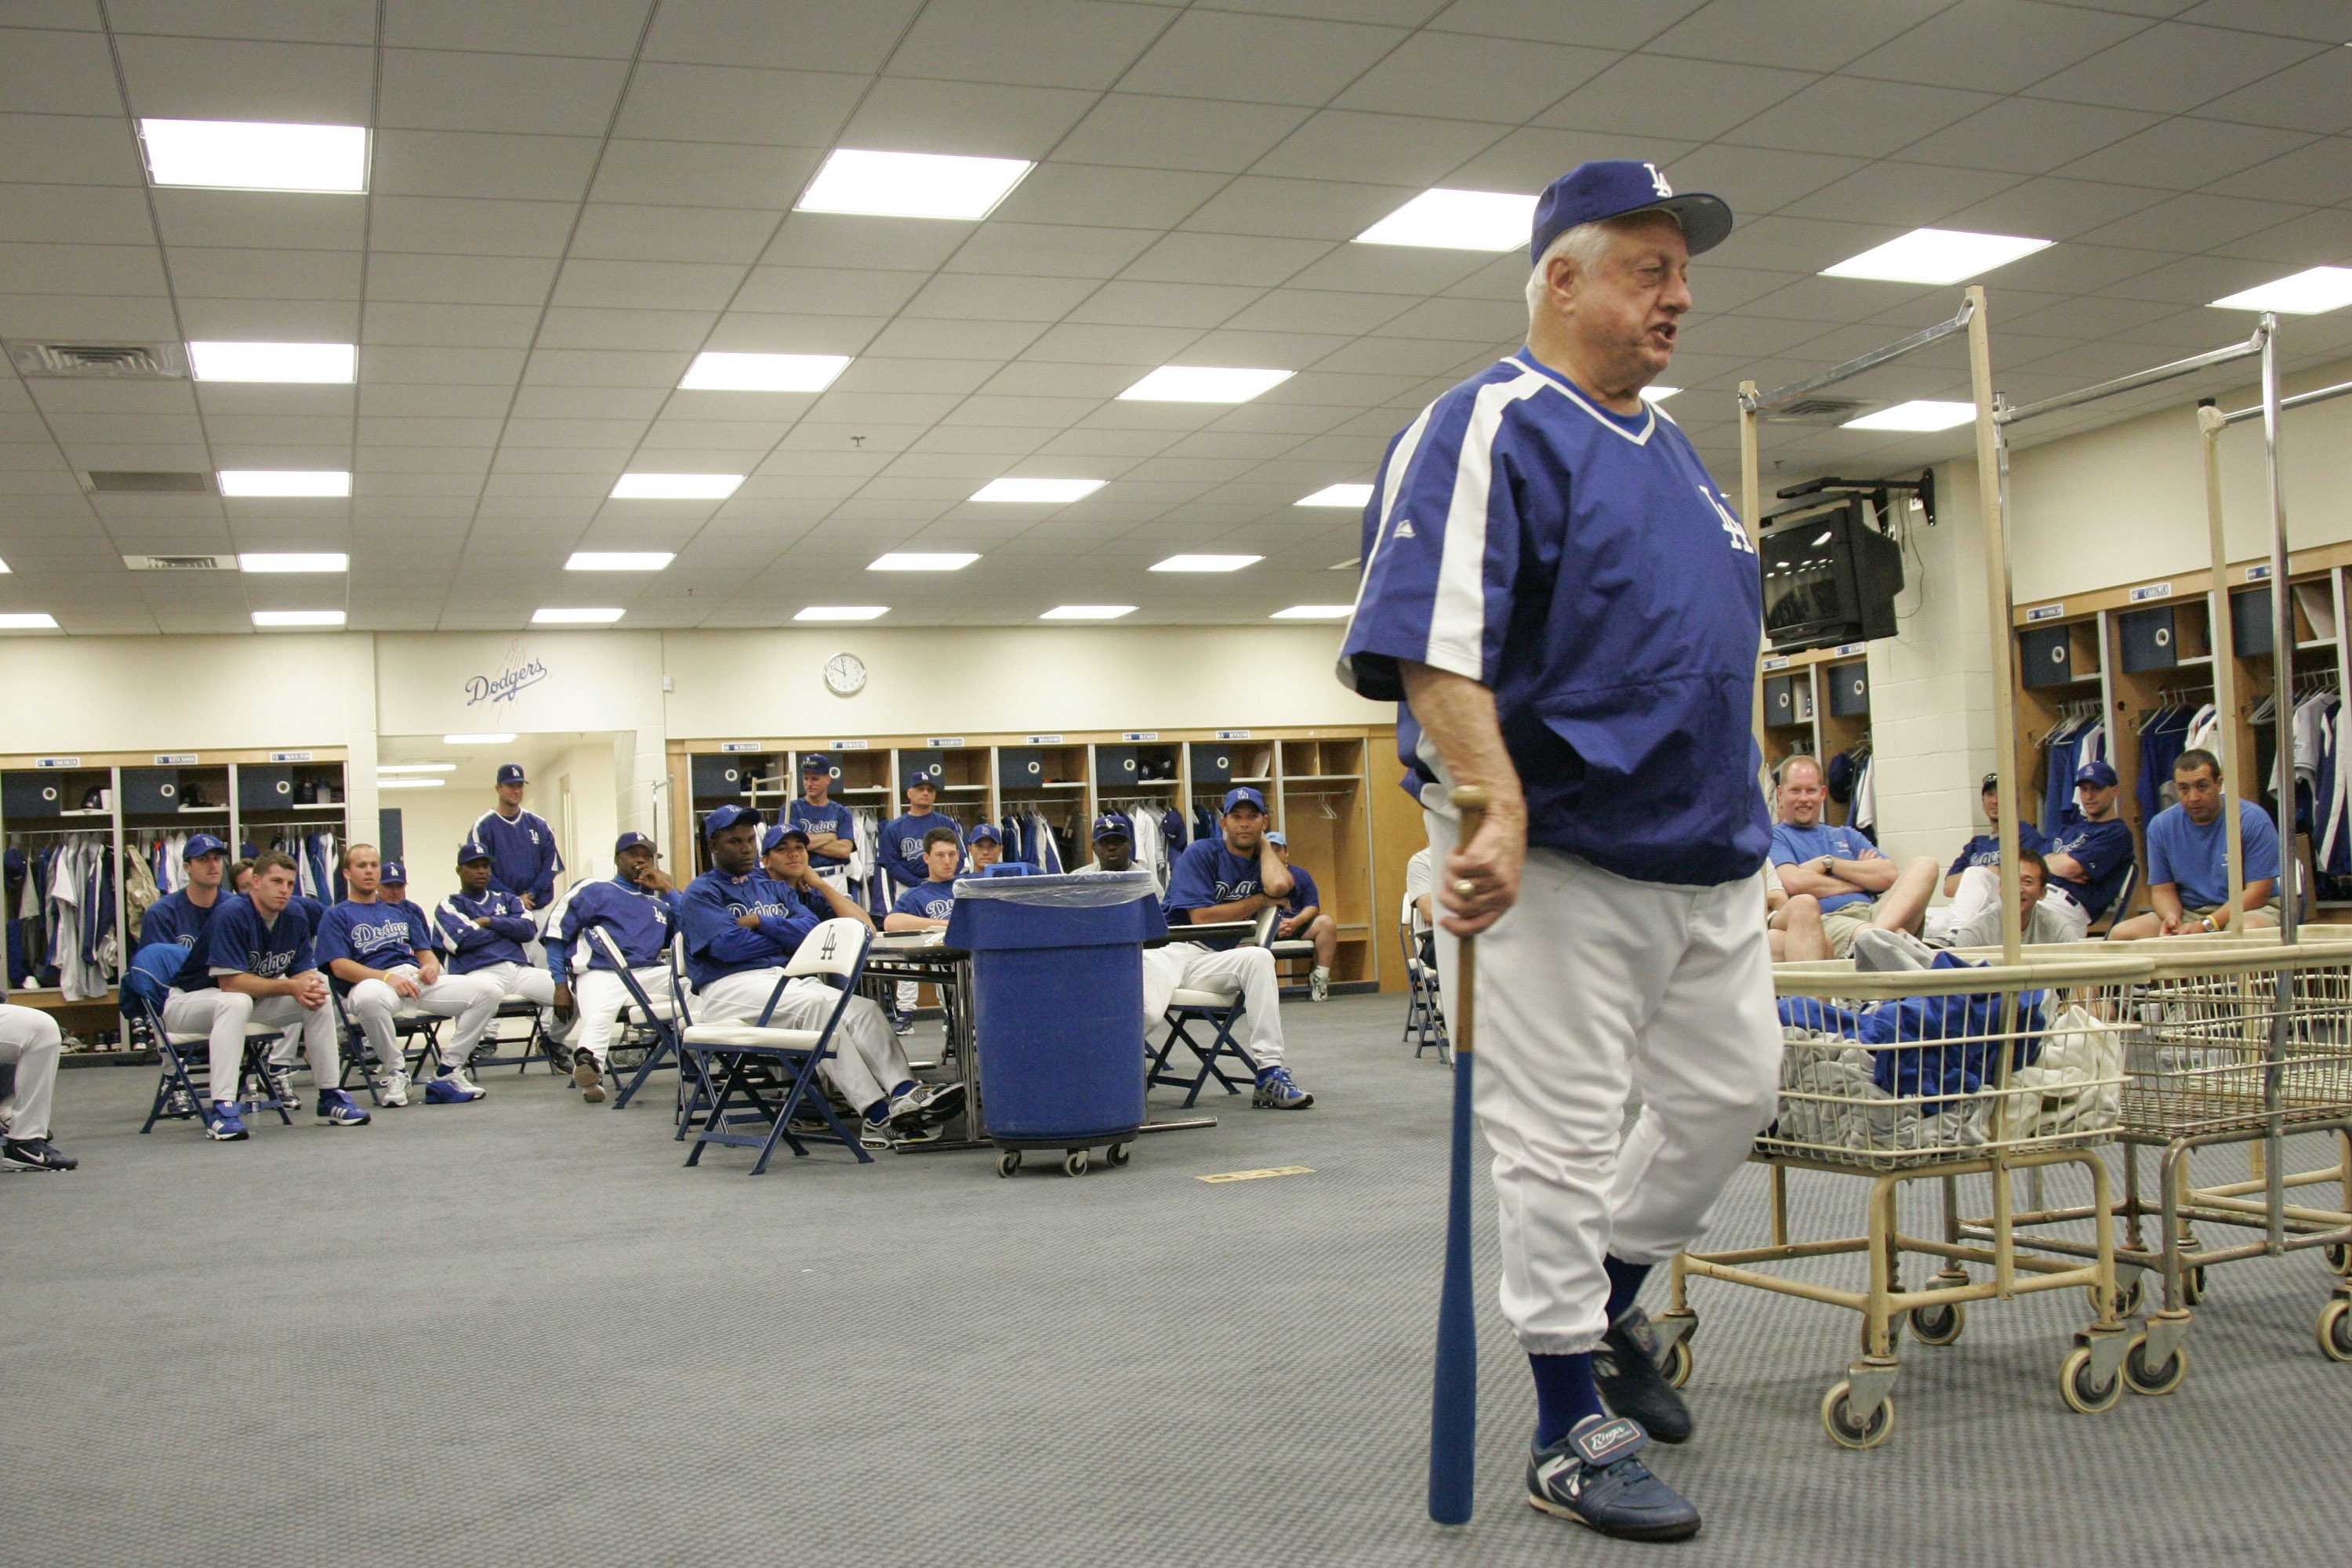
(35, 1155)
(1626, 1365)
(1595, 1477)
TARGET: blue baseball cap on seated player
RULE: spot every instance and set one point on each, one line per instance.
(1612, 187)
(1111, 825)
(779, 833)
(1244, 795)
(727, 816)
(510, 772)
(632, 840)
(471, 850)
(985, 830)
(1277, 839)
(2097, 774)
(203, 843)
(394, 875)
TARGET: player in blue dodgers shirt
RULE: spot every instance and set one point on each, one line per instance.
(927, 905)
(1230, 876)
(785, 856)
(1973, 881)
(831, 831)
(1856, 887)
(1303, 919)
(901, 851)
(2089, 858)
(378, 948)
(1571, 614)
(637, 908)
(484, 928)
(258, 955)
(181, 917)
(523, 856)
(2189, 860)
(986, 847)
(741, 930)
(240, 881)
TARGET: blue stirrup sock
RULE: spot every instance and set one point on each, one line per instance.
(1565, 1395)
(1624, 1284)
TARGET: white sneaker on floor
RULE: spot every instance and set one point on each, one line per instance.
(1318, 985)
(391, 1088)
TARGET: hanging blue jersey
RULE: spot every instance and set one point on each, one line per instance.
(237, 941)
(1582, 565)
(1208, 873)
(640, 923)
(1303, 892)
(902, 845)
(373, 935)
(927, 902)
(2104, 852)
(1984, 849)
(311, 911)
(174, 917)
(523, 856)
(471, 947)
(830, 817)
(2196, 860)
(717, 945)
(1794, 845)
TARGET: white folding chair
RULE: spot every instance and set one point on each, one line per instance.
(745, 1114)
(1286, 950)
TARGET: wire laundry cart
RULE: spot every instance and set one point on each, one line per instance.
(1907, 1076)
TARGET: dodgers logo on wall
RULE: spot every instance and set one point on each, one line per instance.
(517, 672)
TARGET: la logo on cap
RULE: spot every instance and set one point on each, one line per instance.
(1658, 181)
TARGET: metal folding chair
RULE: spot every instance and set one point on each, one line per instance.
(745, 1114)
(1424, 1018)
(659, 1021)
(183, 1088)
(1221, 1011)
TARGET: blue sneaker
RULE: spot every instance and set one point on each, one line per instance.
(453, 1088)
(1595, 1477)
(1276, 1091)
(1626, 1366)
(336, 1110)
(225, 1123)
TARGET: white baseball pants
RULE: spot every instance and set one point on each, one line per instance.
(470, 1000)
(1248, 970)
(31, 1043)
(222, 1015)
(600, 998)
(528, 981)
(1592, 987)
(866, 1061)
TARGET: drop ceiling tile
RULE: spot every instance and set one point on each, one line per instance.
(735, 435)
(750, 331)
(1032, 379)
(1032, 43)
(496, 326)
(1542, 21)
(1528, 159)
(973, 119)
(1302, 209)
(1383, 149)
(635, 233)
(1449, 75)
(206, 79)
(2028, 136)
(1850, 115)
(814, 34)
(1996, 46)
(572, 327)
(2184, 153)
(452, 279)
(81, 149)
(2318, 170)
(2314, 96)
(877, 244)
(1265, 59)
(1800, 245)
(253, 219)
(2197, 280)
(80, 270)
(1081, 343)
(1141, 130)
(282, 21)
(2054, 208)
(712, 103)
(1222, 258)
(608, 28)
(446, 90)
(1050, 250)
(2322, 238)
(1002, 297)
(381, 434)
(2194, 222)
(481, 163)
(917, 375)
(583, 367)
(560, 403)
(201, 272)
(2173, 68)
(1457, 319)
(79, 215)
(468, 366)
(1042, 417)
(825, 291)
(1392, 269)
(1689, 100)
(667, 285)
(704, 173)
(1908, 194)
(452, 226)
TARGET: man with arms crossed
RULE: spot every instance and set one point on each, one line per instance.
(1570, 615)
(831, 831)
(2189, 860)
(2089, 857)
(485, 929)
(380, 954)
(1856, 887)
(638, 911)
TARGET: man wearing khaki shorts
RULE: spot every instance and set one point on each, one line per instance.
(1856, 887)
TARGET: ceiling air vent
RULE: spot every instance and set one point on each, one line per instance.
(1825, 410)
(181, 563)
(149, 482)
(106, 361)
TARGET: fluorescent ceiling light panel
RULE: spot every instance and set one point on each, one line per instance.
(1354, 497)
(416, 767)
(27, 621)
(1659, 394)
(281, 560)
(552, 615)
(1314, 613)
(298, 617)
(1457, 220)
(922, 561)
(843, 612)
(2311, 293)
(1207, 562)
(911, 184)
(3, 569)
(1919, 413)
(1936, 255)
(762, 372)
(1052, 492)
(410, 783)
(322, 363)
(618, 560)
(1202, 383)
(285, 482)
(675, 487)
(249, 155)
(1086, 612)
(476, 739)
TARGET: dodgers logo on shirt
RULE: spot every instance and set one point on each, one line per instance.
(269, 966)
(939, 909)
(1730, 523)
(389, 935)
(1228, 891)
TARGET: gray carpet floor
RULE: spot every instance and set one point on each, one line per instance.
(518, 1332)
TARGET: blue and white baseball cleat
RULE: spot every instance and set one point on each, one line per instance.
(1626, 1366)
(1595, 1477)
(337, 1109)
(225, 1123)
(452, 1088)
(1276, 1091)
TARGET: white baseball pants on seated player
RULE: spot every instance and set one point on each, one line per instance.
(223, 1016)
(528, 981)
(471, 1001)
(599, 998)
(1248, 970)
(1979, 890)
(866, 1061)
(1594, 986)
(31, 1043)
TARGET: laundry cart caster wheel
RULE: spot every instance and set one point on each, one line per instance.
(2339, 1257)
(1007, 1161)
(1117, 1154)
(1677, 1368)
(1937, 1325)
(2152, 1381)
(1074, 1163)
(2192, 1286)
(2335, 1329)
(1844, 1430)
(2128, 1296)
(2074, 1385)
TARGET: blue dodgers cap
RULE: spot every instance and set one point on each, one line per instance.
(779, 833)
(1244, 795)
(510, 772)
(2096, 773)
(1612, 187)
(203, 843)
(471, 850)
(632, 840)
(985, 830)
(815, 763)
(394, 875)
(923, 776)
(1111, 825)
(1278, 839)
(727, 816)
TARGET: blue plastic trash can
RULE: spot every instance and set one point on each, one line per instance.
(1057, 1008)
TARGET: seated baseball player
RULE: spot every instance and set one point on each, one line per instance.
(788, 856)
(259, 969)
(1303, 919)
(2189, 860)
(31, 1043)
(1229, 877)
(1972, 882)
(2037, 922)
(484, 928)
(2091, 855)
(987, 846)
(927, 905)
(638, 909)
(1856, 886)
(741, 930)
(1792, 923)
(377, 948)
(239, 879)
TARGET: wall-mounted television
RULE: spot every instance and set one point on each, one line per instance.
(1830, 575)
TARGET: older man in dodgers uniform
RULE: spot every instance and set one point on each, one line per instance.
(1571, 614)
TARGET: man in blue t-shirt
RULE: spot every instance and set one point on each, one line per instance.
(1229, 877)
(927, 905)
(377, 947)
(1856, 886)
(831, 831)
(1303, 919)
(2090, 856)
(2189, 860)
